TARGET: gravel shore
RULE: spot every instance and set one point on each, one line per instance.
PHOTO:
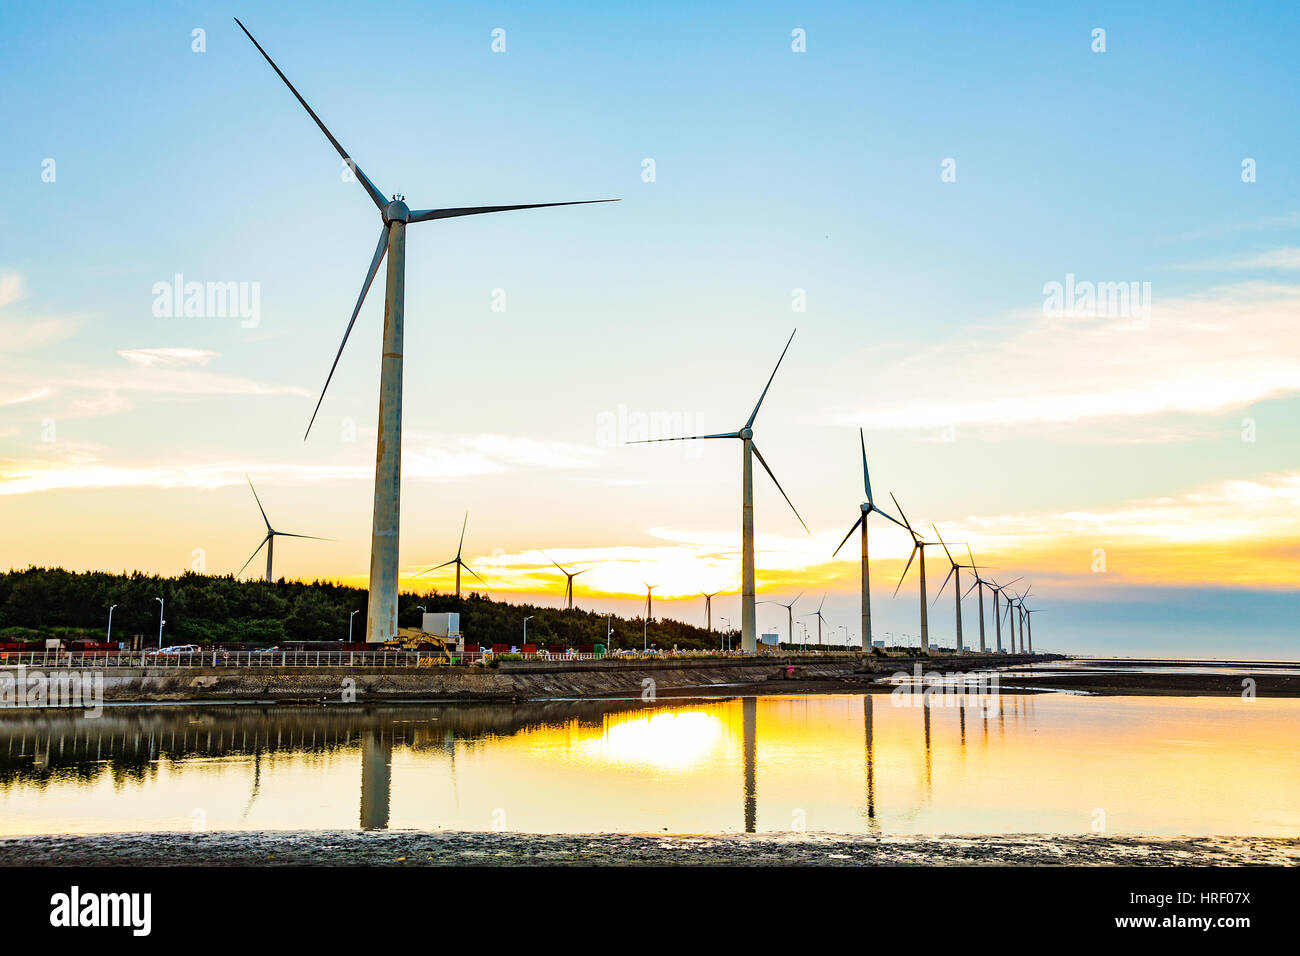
(397, 848)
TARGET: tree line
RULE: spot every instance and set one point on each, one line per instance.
(38, 603)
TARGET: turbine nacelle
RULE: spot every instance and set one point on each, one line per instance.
(397, 211)
(745, 434)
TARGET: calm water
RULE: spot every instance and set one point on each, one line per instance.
(852, 763)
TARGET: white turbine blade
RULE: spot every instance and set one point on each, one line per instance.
(424, 215)
(254, 554)
(376, 196)
(910, 558)
(941, 541)
(951, 572)
(436, 567)
(885, 514)
(861, 518)
(754, 413)
(370, 276)
(646, 441)
(866, 478)
(759, 456)
(906, 524)
(259, 502)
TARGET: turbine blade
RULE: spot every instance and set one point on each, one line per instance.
(759, 456)
(880, 511)
(754, 413)
(259, 503)
(424, 215)
(906, 524)
(849, 535)
(376, 196)
(646, 441)
(254, 554)
(556, 563)
(436, 567)
(462, 534)
(866, 478)
(910, 558)
(942, 586)
(370, 276)
(473, 572)
(941, 541)
(971, 588)
(309, 537)
(576, 573)
(972, 555)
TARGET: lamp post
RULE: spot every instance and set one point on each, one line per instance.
(350, 617)
(109, 638)
(161, 622)
(526, 620)
(726, 635)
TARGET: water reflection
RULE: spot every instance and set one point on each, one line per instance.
(1156, 765)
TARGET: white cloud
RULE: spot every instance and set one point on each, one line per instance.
(1202, 354)
(11, 288)
(167, 357)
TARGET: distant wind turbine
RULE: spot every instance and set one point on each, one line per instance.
(997, 590)
(381, 616)
(953, 572)
(918, 544)
(789, 611)
(568, 578)
(649, 605)
(1029, 620)
(867, 507)
(271, 535)
(748, 634)
(979, 584)
(708, 607)
(1016, 603)
(820, 618)
(457, 560)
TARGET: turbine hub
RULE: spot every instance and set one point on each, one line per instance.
(747, 433)
(866, 507)
(397, 211)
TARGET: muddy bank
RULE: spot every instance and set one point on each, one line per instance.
(359, 848)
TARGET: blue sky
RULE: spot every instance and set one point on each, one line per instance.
(775, 171)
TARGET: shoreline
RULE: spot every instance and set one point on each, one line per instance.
(422, 848)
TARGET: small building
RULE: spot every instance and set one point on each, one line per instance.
(771, 640)
(444, 625)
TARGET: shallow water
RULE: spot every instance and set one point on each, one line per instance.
(844, 763)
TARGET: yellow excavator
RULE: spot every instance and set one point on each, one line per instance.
(415, 639)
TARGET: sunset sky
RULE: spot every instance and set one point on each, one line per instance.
(1141, 469)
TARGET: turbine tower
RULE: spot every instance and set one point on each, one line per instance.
(789, 611)
(271, 535)
(568, 578)
(649, 606)
(457, 560)
(918, 544)
(820, 618)
(953, 572)
(748, 634)
(1029, 620)
(979, 583)
(381, 614)
(867, 507)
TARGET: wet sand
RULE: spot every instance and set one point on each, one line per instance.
(387, 848)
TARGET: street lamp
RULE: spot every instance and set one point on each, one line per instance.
(109, 638)
(161, 622)
(350, 617)
(526, 620)
(726, 635)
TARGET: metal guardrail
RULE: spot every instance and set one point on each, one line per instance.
(218, 658)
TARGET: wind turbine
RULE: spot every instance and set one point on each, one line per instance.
(789, 611)
(918, 544)
(1016, 603)
(649, 606)
(820, 618)
(271, 535)
(953, 572)
(748, 635)
(381, 615)
(867, 507)
(569, 576)
(708, 608)
(1029, 620)
(457, 560)
(979, 583)
(997, 590)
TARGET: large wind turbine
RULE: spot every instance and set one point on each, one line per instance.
(381, 616)
(649, 605)
(979, 584)
(867, 507)
(1017, 603)
(568, 578)
(820, 619)
(748, 635)
(271, 535)
(1029, 620)
(918, 544)
(457, 560)
(789, 611)
(953, 572)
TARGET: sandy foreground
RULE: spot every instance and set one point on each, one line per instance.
(398, 848)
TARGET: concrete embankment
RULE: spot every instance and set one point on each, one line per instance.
(512, 680)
